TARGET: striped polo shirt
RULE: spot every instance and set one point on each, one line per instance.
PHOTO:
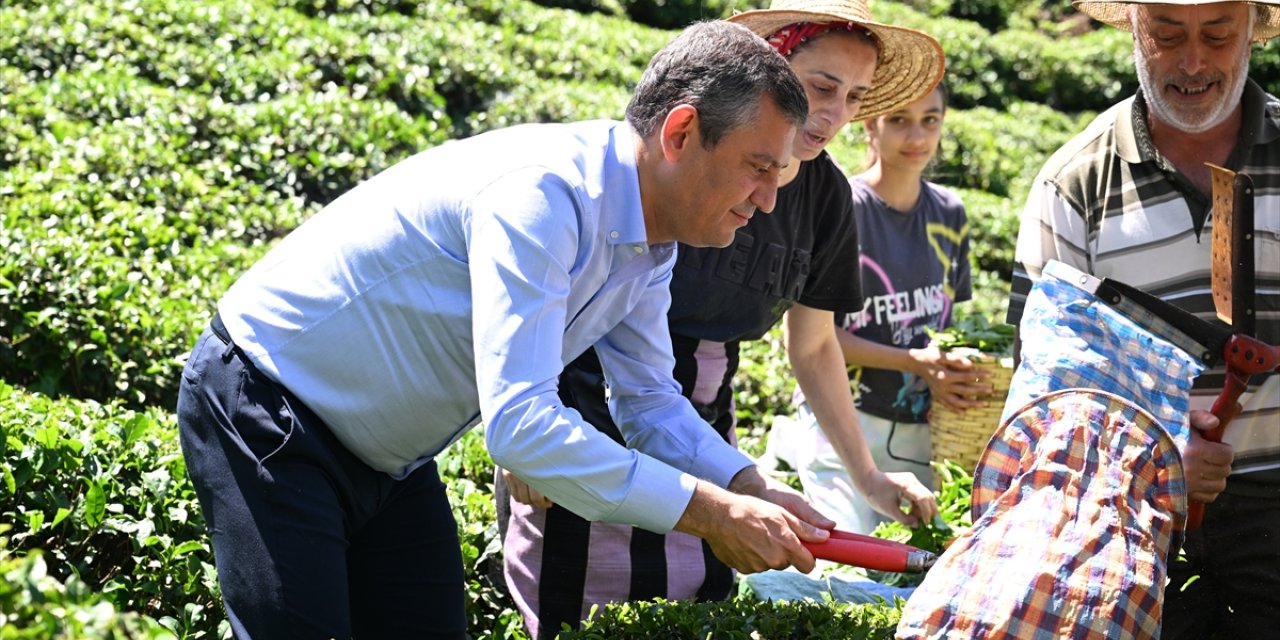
(1109, 204)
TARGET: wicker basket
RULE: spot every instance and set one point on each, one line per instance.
(961, 436)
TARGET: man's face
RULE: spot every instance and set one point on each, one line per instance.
(1192, 61)
(719, 189)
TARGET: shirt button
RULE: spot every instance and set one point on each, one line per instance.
(613, 234)
(638, 249)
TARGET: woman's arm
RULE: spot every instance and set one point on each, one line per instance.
(818, 364)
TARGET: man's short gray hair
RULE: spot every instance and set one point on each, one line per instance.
(724, 71)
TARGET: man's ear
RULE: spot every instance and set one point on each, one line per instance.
(679, 130)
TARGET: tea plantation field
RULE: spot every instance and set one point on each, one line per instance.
(151, 150)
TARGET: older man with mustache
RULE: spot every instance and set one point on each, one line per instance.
(1129, 199)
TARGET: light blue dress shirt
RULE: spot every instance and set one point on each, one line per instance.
(452, 289)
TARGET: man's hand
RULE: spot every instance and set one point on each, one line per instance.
(750, 534)
(750, 481)
(888, 492)
(523, 493)
(1206, 464)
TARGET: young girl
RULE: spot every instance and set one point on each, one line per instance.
(792, 260)
(914, 265)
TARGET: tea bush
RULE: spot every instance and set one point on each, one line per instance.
(552, 101)
(151, 150)
(990, 14)
(37, 606)
(662, 14)
(739, 618)
(1000, 152)
(103, 492)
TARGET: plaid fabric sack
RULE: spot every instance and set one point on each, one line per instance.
(1079, 495)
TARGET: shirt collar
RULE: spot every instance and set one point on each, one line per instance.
(622, 210)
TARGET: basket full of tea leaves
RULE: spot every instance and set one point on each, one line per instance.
(960, 436)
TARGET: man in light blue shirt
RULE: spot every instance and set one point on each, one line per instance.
(452, 289)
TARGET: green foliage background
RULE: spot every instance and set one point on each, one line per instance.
(151, 150)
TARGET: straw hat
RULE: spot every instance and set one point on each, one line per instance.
(911, 62)
(1117, 15)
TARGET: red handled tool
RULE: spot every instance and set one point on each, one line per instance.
(871, 553)
(1233, 299)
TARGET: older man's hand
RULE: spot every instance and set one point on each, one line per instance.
(1206, 464)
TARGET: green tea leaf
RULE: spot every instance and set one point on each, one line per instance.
(95, 504)
(61, 515)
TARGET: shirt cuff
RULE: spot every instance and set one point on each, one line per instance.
(657, 502)
(721, 465)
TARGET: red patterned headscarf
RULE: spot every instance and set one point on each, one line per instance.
(786, 39)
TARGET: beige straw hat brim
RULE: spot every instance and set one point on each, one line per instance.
(1116, 14)
(911, 62)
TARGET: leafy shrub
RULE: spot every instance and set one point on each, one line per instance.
(552, 101)
(993, 225)
(103, 492)
(326, 8)
(741, 618)
(1092, 72)
(320, 144)
(100, 293)
(490, 610)
(173, 196)
(151, 150)
(1001, 152)
(613, 8)
(991, 14)
(1264, 67)
(105, 520)
(993, 235)
(662, 14)
(675, 14)
(977, 333)
(932, 8)
(990, 296)
(849, 149)
(764, 384)
(37, 606)
(104, 317)
(1052, 17)
(20, 140)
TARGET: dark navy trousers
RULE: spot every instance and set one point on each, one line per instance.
(309, 541)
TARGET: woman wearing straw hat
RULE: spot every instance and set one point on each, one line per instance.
(1129, 198)
(914, 236)
(795, 261)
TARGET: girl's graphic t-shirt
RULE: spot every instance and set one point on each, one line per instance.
(914, 267)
